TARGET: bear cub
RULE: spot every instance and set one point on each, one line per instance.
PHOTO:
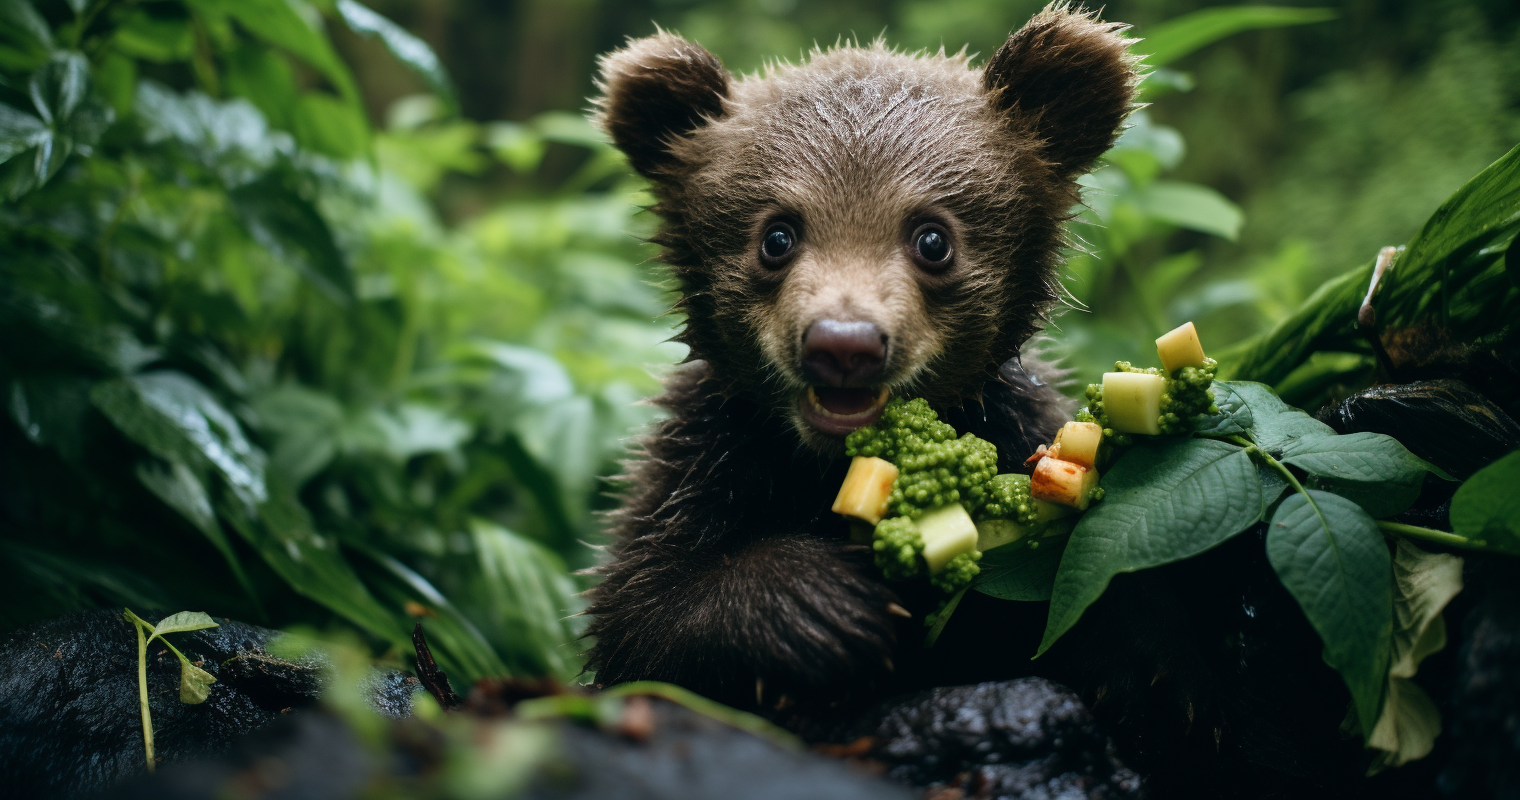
(862, 225)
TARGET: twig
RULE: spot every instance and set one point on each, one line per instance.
(1366, 316)
(431, 676)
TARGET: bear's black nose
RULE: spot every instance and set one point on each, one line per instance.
(838, 353)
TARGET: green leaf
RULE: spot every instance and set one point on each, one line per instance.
(1486, 509)
(60, 86)
(281, 531)
(462, 650)
(1451, 274)
(277, 23)
(194, 683)
(184, 621)
(942, 618)
(1274, 424)
(1190, 206)
(19, 132)
(408, 49)
(1332, 559)
(265, 77)
(19, 21)
(1234, 415)
(291, 228)
(1371, 469)
(331, 126)
(1017, 572)
(182, 490)
(528, 600)
(178, 420)
(1175, 38)
(1163, 502)
(155, 39)
(1424, 583)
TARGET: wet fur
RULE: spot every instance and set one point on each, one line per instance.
(728, 574)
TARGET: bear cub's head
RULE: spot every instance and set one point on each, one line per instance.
(867, 222)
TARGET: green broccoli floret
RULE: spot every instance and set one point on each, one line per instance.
(935, 474)
(904, 426)
(1188, 395)
(1008, 498)
(958, 573)
(898, 545)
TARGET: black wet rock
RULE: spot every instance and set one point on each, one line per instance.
(1029, 739)
(69, 714)
(680, 755)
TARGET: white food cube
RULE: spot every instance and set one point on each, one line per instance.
(1132, 401)
(947, 532)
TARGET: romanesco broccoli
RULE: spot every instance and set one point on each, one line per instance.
(1008, 498)
(904, 426)
(897, 544)
(935, 474)
(1186, 396)
(958, 573)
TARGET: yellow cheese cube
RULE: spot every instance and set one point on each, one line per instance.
(947, 532)
(1132, 401)
(1079, 442)
(866, 488)
(1063, 482)
(1180, 348)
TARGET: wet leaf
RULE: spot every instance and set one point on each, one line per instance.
(292, 229)
(1163, 502)
(407, 48)
(1332, 559)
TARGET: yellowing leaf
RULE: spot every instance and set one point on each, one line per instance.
(194, 683)
(1423, 584)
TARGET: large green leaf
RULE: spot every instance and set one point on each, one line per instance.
(529, 602)
(1234, 415)
(1332, 559)
(182, 490)
(178, 420)
(281, 531)
(408, 49)
(1163, 502)
(1451, 274)
(1164, 43)
(291, 228)
(1372, 469)
(1274, 424)
(1190, 206)
(1020, 572)
(1486, 509)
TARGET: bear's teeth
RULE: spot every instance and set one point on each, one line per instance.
(881, 400)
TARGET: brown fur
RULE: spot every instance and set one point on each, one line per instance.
(727, 569)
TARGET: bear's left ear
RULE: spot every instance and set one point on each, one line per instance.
(1068, 79)
(654, 91)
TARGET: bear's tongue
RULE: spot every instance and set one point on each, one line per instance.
(846, 402)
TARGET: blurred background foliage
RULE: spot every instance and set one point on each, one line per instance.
(338, 314)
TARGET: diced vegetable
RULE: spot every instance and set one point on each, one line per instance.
(1180, 348)
(1078, 442)
(947, 532)
(1132, 401)
(866, 488)
(1063, 482)
(1046, 511)
(992, 533)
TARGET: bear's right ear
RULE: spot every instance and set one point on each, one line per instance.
(654, 91)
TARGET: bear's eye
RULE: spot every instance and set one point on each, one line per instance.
(931, 246)
(778, 242)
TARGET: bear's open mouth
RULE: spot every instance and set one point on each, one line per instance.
(837, 411)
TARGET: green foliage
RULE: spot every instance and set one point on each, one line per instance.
(262, 375)
(1331, 557)
(1163, 502)
(194, 682)
(1024, 570)
(1486, 508)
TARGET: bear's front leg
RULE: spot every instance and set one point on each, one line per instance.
(754, 621)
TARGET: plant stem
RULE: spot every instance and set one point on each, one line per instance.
(1430, 535)
(1267, 458)
(142, 694)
